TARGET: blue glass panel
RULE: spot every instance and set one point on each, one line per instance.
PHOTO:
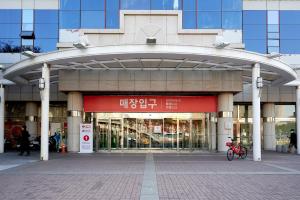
(254, 32)
(290, 46)
(45, 45)
(189, 20)
(46, 16)
(69, 19)
(112, 19)
(254, 17)
(289, 17)
(189, 5)
(112, 5)
(135, 4)
(165, 4)
(273, 35)
(273, 49)
(27, 16)
(10, 45)
(209, 19)
(232, 20)
(93, 4)
(46, 30)
(256, 45)
(273, 17)
(290, 31)
(273, 28)
(92, 19)
(27, 27)
(274, 43)
(10, 16)
(10, 30)
(232, 5)
(69, 4)
(209, 5)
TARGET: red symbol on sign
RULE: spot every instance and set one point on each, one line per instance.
(86, 138)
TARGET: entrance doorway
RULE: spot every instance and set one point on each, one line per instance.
(164, 131)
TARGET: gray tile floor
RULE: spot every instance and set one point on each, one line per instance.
(149, 176)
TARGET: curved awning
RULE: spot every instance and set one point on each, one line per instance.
(151, 57)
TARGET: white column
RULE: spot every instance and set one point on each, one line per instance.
(213, 131)
(75, 107)
(225, 122)
(256, 114)
(269, 126)
(298, 119)
(45, 113)
(31, 115)
(2, 102)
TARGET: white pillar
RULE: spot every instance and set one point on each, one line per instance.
(31, 115)
(225, 122)
(2, 102)
(213, 131)
(45, 113)
(75, 107)
(298, 119)
(256, 113)
(269, 126)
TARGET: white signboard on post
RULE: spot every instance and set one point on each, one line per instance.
(86, 138)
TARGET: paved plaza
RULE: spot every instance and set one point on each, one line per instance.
(149, 176)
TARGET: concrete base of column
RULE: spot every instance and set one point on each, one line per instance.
(74, 134)
(269, 136)
(225, 127)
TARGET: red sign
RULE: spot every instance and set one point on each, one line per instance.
(86, 138)
(150, 104)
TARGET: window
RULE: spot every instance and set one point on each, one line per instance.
(232, 20)
(112, 14)
(232, 5)
(69, 15)
(92, 19)
(93, 4)
(289, 32)
(165, 4)
(135, 4)
(70, 4)
(273, 28)
(211, 5)
(255, 30)
(209, 20)
(189, 14)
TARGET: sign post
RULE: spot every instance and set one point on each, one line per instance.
(86, 138)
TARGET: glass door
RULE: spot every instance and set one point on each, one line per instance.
(103, 130)
(184, 134)
(143, 133)
(130, 134)
(156, 133)
(170, 133)
(116, 133)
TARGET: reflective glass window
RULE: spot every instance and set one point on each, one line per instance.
(211, 5)
(232, 5)
(69, 19)
(10, 30)
(69, 4)
(45, 45)
(273, 17)
(254, 17)
(46, 30)
(209, 19)
(10, 45)
(232, 20)
(165, 4)
(273, 28)
(10, 16)
(135, 4)
(27, 16)
(46, 16)
(273, 35)
(92, 4)
(256, 45)
(290, 46)
(273, 42)
(92, 19)
(283, 111)
(112, 19)
(290, 31)
(189, 5)
(112, 5)
(289, 17)
(254, 32)
(189, 20)
(27, 45)
(27, 27)
(273, 49)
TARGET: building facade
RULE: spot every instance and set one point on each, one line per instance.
(152, 74)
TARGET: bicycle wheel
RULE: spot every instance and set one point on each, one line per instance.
(230, 154)
(243, 153)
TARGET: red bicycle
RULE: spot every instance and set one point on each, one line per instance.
(239, 150)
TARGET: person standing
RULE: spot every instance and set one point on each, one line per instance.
(57, 140)
(24, 141)
(293, 140)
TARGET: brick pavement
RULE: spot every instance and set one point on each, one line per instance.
(124, 176)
